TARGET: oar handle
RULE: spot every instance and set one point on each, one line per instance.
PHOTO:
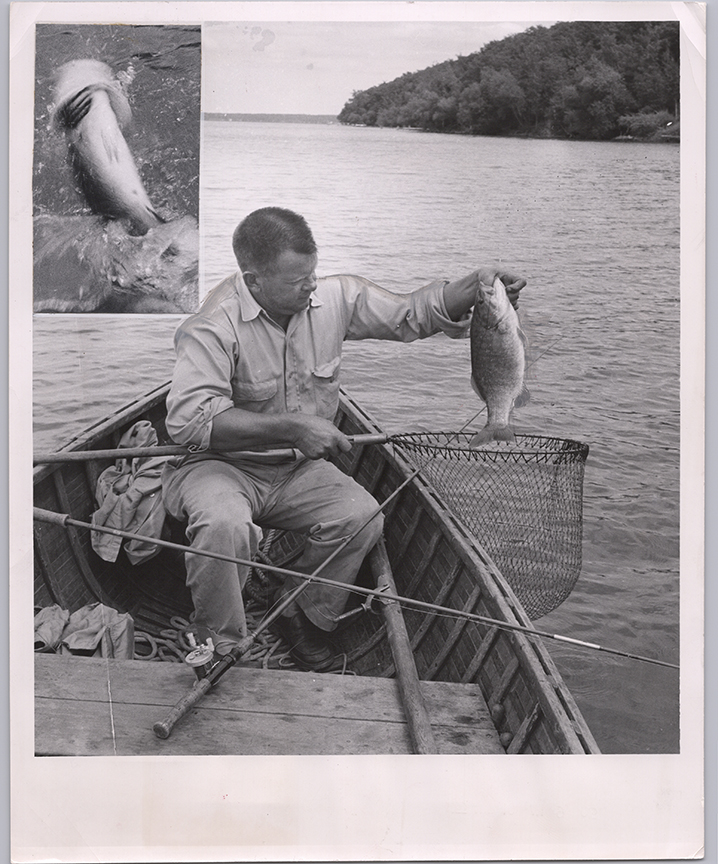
(178, 450)
(50, 516)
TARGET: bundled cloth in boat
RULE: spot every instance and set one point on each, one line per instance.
(95, 630)
(129, 495)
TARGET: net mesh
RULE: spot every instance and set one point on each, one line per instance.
(523, 502)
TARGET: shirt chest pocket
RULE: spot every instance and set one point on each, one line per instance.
(326, 387)
(253, 391)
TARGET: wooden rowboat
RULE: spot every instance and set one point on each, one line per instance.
(500, 686)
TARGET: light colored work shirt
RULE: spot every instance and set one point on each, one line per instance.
(232, 354)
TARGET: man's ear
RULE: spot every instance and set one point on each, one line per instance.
(250, 279)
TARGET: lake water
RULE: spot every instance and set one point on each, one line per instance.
(594, 227)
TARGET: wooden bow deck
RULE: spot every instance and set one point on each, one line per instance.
(96, 707)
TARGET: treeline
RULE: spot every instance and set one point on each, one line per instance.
(585, 80)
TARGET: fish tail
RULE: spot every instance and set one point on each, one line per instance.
(493, 432)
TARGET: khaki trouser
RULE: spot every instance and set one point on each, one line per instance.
(224, 503)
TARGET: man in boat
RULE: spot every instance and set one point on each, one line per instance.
(257, 369)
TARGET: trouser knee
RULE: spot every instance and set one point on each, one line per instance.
(223, 531)
(366, 522)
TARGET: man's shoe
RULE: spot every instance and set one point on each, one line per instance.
(308, 645)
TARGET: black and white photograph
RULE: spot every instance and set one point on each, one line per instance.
(361, 370)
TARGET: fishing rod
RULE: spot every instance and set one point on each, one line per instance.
(163, 728)
(65, 520)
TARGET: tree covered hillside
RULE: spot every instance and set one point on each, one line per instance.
(589, 80)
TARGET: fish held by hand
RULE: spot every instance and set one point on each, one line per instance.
(498, 361)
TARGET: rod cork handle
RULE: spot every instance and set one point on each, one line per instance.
(163, 728)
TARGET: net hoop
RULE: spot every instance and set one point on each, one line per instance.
(528, 448)
(523, 501)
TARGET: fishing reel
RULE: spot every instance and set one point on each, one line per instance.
(201, 659)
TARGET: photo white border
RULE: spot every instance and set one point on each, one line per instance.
(356, 808)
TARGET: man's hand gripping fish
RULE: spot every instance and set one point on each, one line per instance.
(497, 361)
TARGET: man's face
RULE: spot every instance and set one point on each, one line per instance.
(285, 289)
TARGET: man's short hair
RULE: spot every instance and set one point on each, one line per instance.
(261, 237)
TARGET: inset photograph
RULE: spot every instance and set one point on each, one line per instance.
(116, 168)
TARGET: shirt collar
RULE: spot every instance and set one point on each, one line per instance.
(249, 309)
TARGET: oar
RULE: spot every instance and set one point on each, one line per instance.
(176, 450)
(417, 716)
(64, 520)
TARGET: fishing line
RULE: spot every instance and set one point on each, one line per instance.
(109, 686)
(545, 351)
(112, 712)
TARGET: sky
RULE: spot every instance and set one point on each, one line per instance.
(300, 67)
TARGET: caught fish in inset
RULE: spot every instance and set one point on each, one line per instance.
(92, 109)
(124, 257)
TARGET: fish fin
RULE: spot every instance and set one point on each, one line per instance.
(523, 398)
(112, 140)
(492, 433)
(475, 388)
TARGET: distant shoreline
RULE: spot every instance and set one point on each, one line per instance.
(272, 118)
(659, 137)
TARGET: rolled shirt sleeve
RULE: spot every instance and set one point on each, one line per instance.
(231, 354)
(201, 386)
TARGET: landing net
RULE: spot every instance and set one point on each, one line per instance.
(523, 502)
